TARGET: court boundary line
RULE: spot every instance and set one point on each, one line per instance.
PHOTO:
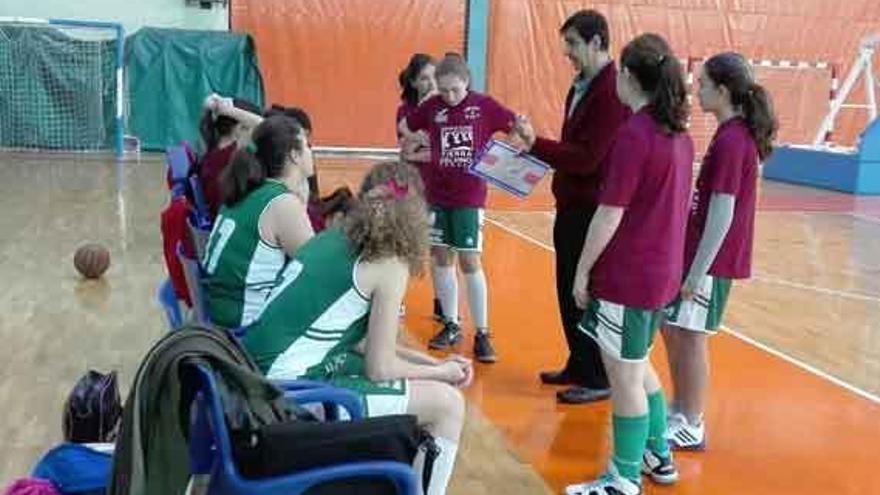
(864, 218)
(823, 290)
(748, 340)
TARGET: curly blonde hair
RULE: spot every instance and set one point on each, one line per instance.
(389, 217)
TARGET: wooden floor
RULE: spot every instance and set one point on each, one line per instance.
(774, 427)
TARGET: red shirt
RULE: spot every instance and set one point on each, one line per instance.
(212, 164)
(587, 135)
(175, 230)
(457, 134)
(403, 111)
(649, 174)
(729, 167)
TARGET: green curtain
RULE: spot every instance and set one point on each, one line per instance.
(171, 71)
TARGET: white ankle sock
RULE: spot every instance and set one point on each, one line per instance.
(443, 466)
(446, 284)
(478, 298)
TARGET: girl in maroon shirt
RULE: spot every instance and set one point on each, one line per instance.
(631, 263)
(223, 127)
(720, 229)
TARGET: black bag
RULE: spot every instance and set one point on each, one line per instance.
(92, 410)
(284, 448)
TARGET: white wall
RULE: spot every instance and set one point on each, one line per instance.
(131, 13)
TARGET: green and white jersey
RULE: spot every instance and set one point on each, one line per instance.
(316, 315)
(241, 269)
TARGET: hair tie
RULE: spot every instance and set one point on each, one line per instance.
(251, 148)
(398, 190)
(390, 189)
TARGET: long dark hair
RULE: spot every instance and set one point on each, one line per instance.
(650, 60)
(273, 140)
(213, 128)
(732, 71)
(416, 63)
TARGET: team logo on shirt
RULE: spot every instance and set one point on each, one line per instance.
(472, 113)
(442, 116)
(456, 146)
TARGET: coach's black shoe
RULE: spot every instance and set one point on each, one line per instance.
(582, 395)
(557, 377)
(483, 350)
(448, 336)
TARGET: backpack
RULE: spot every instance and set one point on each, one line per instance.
(93, 409)
(281, 448)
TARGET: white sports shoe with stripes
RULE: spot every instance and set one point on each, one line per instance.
(661, 470)
(684, 436)
(610, 483)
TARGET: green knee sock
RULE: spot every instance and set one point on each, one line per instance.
(630, 435)
(657, 424)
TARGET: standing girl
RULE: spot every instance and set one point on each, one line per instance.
(719, 234)
(458, 122)
(631, 263)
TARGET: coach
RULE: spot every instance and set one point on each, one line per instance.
(593, 114)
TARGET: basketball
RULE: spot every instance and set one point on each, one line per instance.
(91, 260)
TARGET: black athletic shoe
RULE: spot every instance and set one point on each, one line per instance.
(448, 336)
(483, 350)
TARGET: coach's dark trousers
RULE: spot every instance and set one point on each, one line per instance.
(584, 364)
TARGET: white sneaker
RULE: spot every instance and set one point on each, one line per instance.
(660, 469)
(684, 436)
(609, 483)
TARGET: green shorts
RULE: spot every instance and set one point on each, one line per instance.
(457, 228)
(625, 333)
(703, 313)
(349, 372)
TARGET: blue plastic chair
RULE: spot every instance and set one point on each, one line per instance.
(178, 164)
(168, 300)
(211, 452)
(192, 273)
(202, 215)
(198, 236)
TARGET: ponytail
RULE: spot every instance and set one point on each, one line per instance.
(249, 168)
(757, 108)
(669, 104)
(243, 174)
(659, 73)
(732, 71)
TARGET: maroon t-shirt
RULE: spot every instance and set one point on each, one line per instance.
(457, 134)
(649, 174)
(212, 164)
(729, 167)
(403, 111)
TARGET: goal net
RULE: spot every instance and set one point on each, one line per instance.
(60, 85)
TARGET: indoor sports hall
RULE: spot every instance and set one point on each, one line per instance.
(97, 98)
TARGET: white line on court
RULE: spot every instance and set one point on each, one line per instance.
(824, 290)
(785, 357)
(864, 218)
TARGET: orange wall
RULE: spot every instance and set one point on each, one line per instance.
(527, 71)
(339, 59)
